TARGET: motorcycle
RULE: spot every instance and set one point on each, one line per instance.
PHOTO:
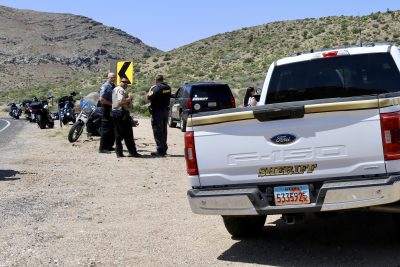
(90, 116)
(66, 111)
(41, 112)
(15, 111)
(26, 104)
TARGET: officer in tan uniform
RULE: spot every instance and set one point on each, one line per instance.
(121, 101)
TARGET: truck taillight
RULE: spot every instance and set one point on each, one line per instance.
(189, 103)
(390, 127)
(233, 103)
(190, 154)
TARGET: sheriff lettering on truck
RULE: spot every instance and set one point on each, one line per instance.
(324, 137)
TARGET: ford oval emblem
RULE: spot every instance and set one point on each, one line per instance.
(283, 139)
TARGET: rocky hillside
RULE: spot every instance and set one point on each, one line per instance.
(37, 47)
(241, 57)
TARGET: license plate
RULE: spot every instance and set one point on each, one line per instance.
(212, 104)
(291, 195)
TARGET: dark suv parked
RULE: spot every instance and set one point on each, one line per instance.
(198, 97)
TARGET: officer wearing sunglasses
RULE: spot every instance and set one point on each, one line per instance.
(121, 101)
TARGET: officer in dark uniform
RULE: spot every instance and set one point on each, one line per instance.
(159, 96)
(107, 126)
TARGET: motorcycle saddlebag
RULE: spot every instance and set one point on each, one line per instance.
(36, 105)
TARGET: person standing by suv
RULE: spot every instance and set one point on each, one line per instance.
(159, 96)
(107, 127)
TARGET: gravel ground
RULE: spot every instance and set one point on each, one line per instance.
(64, 204)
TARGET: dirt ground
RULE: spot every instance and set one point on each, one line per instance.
(65, 204)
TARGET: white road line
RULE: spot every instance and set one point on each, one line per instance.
(8, 124)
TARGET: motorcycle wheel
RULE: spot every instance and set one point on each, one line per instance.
(40, 122)
(75, 131)
(51, 124)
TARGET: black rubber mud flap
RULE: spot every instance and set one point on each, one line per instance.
(279, 113)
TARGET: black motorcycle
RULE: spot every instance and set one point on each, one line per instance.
(66, 112)
(15, 111)
(26, 104)
(41, 111)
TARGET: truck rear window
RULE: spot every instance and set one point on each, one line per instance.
(342, 76)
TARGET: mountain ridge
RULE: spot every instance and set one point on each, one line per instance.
(59, 45)
(240, 57)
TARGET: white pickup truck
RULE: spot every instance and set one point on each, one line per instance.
(325, 136)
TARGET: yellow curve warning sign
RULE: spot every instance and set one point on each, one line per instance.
(125, 70)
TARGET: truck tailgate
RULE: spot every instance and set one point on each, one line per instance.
(315, 147)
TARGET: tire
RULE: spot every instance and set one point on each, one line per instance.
(17, 117)
(51, 124)
(75, 131)
(182, 123)
(171, 122)
(61, 123)
(326, 214)
(396, 221)
(39, 120)
(244, 226)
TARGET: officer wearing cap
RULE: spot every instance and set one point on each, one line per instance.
(159, 96)
(107, 127)
(121, 101)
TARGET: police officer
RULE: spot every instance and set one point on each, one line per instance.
(159, 96)
(107, 127)
(122, 120)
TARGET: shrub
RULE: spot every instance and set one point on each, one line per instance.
(250, 38)
(167, 57)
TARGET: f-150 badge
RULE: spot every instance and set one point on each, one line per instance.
(286, 170)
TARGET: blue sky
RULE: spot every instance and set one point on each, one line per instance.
(170, 24)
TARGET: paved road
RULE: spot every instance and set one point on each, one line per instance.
(8, 129)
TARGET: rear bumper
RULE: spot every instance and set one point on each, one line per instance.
(339, 195)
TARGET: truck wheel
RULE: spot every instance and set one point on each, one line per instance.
(182, 123)
(396, 221)
(171, 122)
(244, 226)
